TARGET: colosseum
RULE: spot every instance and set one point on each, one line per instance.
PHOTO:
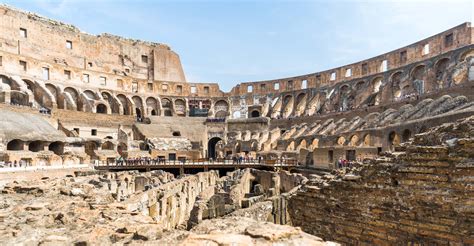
(378, 152)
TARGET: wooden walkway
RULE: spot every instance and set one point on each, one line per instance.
(205, 165)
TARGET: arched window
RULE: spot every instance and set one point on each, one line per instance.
(101, 109)
(255, 114)
(15, 145)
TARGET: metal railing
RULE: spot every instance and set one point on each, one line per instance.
(198, 162)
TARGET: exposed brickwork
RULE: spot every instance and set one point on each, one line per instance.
(424, 196)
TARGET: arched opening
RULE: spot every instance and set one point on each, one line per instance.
(314, 144)
(376, 84)
(236, 115)
(287, 105)
(180, 107)
(393, 139)
(406, 135)
(15, 145)
(152, 105)
(138, 107)
(138, 113)
(36, 146)
(440, 73)
(71, 99)
(101, 109)
(107, 145)
(176, 134)
(291, 146)
(360, 85)
(221, 108)
(167, 107)
(211, 147)
(354, 140)
(125, 104)
(57, 147)
(122, 149)
(341, 141)
(395, 80)
(113, 103)
(367, 140)
(237, 148)
(418, 76)
(90, 147)
(255, 114)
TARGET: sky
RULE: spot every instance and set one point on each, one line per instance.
(229, 42)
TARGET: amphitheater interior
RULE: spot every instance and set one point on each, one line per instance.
(68, 97)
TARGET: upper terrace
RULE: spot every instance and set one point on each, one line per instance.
(454, 38)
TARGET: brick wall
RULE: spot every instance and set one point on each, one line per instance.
(424, 196)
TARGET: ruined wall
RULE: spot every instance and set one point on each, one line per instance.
(170, 204)
(424, 196)
(45, 43)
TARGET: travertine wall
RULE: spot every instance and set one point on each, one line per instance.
(423, 197)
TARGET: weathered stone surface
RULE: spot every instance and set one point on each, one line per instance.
(425, 196)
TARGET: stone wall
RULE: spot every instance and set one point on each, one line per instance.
(422, 196)
(170, 204)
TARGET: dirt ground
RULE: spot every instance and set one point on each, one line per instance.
(8, 177)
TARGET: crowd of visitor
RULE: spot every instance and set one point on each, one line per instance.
(341, 163)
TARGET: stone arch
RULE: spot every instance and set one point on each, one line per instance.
(291, 146)
(57, 147)
(359, 85)
(302, 144)
(152, 106)
(90, 94)
(237, 147)
(345, 100)
(393, 140)
(354, 140)
(15, 144)
(417, 76)
(406, 135)
(36, 146)
(464, 56)
(221, 109)
(314, 144)
(440, 73)
(180, 107)
(101, 108)
(86, 101)
(344, 89)
(288, 103)
(211, 147)
(300, 104)
(376, 84)
(114, 104)
(42, 96)
(139, 112)
(167, 107)
(367, 140)
(107, 145)
(71, 99)
(56, 94)
(395, 82)
(341, 141)
(7, 83)
(255, 113)
(315, 104)
(126, 104)
(236, 114)
(122, 149)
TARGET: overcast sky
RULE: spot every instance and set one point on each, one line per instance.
(243, 41)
